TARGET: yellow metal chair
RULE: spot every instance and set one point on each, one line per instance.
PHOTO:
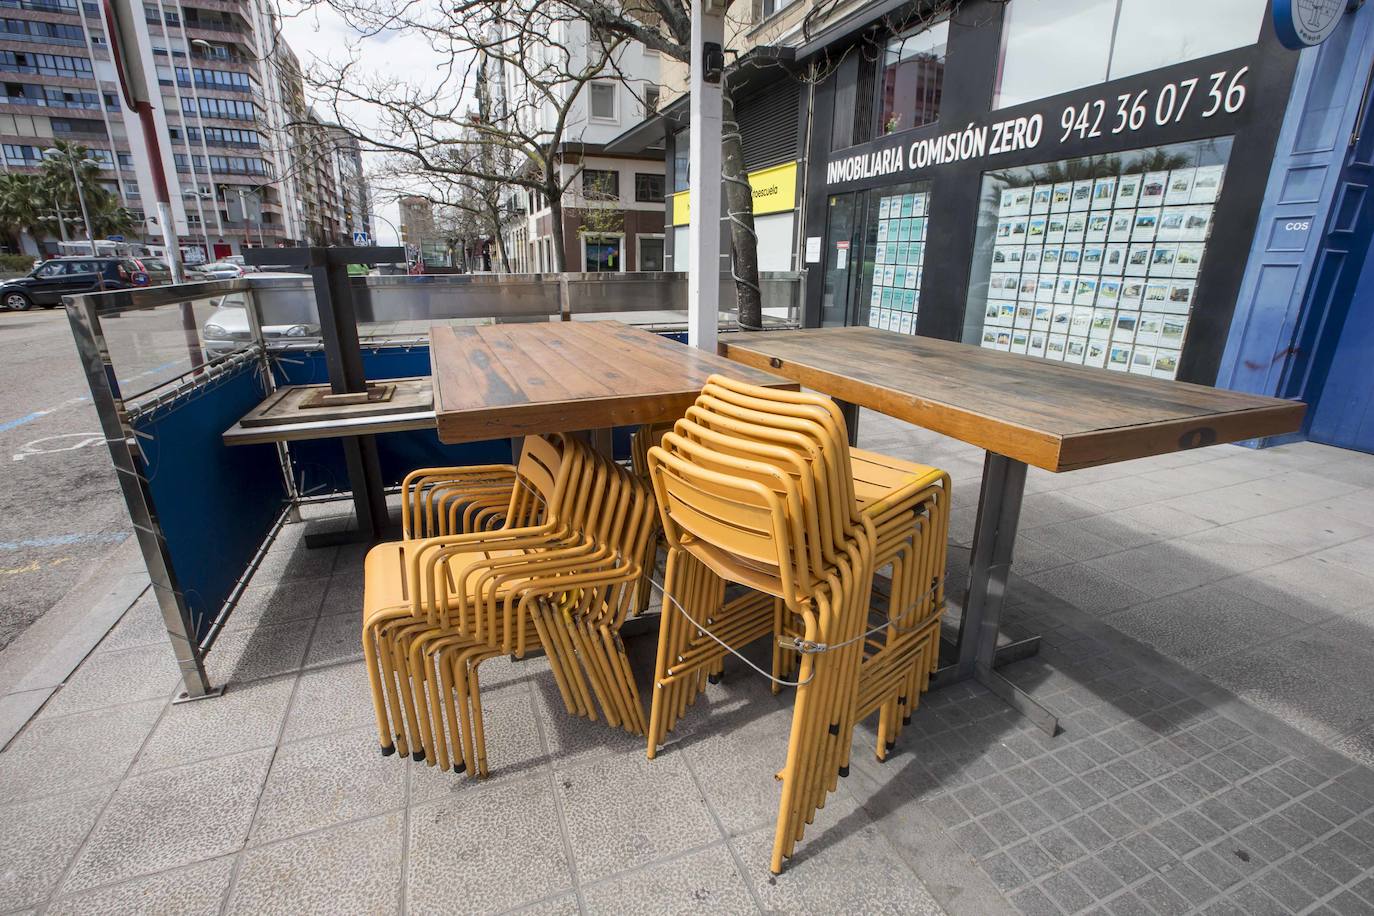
(908, 504)
(563, 585)
(757, 523)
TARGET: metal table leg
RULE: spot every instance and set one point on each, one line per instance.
(851, 420)
(994, 537)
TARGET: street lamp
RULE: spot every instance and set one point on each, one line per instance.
(54, 154)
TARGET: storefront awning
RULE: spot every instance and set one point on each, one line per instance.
(848, 26)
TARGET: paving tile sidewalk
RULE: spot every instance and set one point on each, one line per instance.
(1205, 623)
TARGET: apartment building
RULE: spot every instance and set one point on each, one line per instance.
(613, 211)
(420, 232)
(231, 95)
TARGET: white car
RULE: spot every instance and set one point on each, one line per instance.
(227, 328)
(220, 270)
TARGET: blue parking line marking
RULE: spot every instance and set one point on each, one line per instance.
(14, 424)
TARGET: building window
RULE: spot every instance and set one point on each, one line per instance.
(17, 154)
(1054, 46)
(603, 101)
(601, 184)
(603, 253)
(46, 64)
(650, 252)
(648, 188)
(769, 7)
(651, 96)
(913, 76)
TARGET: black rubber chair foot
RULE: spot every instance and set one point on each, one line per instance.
(418, 756)
(460, 768)
(890, 746)
(906, 720)
(844, 771)
(713, 678)
(388, 750)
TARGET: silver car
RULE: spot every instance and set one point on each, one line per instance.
(227, 328)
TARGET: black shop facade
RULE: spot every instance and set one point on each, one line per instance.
(1077, 182)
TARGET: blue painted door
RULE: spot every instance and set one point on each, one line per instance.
(1344, 412)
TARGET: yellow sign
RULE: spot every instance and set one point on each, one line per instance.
(775, 191)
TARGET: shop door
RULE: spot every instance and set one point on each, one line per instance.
(1344, 413)
(841, 254)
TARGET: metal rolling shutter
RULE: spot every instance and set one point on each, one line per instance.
(768, 121)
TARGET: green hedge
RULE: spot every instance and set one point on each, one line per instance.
(11, 263)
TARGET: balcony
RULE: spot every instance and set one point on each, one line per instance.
(41, 6)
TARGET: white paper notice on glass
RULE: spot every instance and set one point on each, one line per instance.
(842, 254)
(813, 249)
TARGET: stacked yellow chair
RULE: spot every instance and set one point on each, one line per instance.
(555, 569)
(759, 487)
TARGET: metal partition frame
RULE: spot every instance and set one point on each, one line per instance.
(117, 417)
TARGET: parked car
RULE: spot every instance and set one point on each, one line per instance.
(59, 277)
(220, 270)
(227, 327)
(159, 271)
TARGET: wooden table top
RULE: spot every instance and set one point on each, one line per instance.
(501, 380)
(280, 417)
(1052, 415)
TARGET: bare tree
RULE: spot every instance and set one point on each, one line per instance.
(527, 73)
(666, 26)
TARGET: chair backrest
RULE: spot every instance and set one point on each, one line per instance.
(742, 518)
(768, 422)
(541, 481)
(794, 462)
(801, 405)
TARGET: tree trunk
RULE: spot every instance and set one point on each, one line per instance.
(739, 208)
(560, 259)
(494, 215)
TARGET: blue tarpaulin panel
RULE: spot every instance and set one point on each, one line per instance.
(215, 504)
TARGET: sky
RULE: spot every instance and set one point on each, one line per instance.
(320, 34)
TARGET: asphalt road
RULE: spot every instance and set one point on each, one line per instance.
(60, 508)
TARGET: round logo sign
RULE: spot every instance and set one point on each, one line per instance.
(1303, 23)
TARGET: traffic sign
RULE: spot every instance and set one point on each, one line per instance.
(361, 238)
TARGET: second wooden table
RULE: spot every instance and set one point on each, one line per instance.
(1022, 411)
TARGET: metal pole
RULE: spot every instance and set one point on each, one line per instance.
(81, 199)
(703, 233)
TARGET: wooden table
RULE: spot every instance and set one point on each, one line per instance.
(1022, 411)
(507, 380)
(282, 418)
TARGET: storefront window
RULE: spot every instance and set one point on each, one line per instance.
(1054, 46)
(1095, 261)
(913, 74)
(603, 253)
(890, 294)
